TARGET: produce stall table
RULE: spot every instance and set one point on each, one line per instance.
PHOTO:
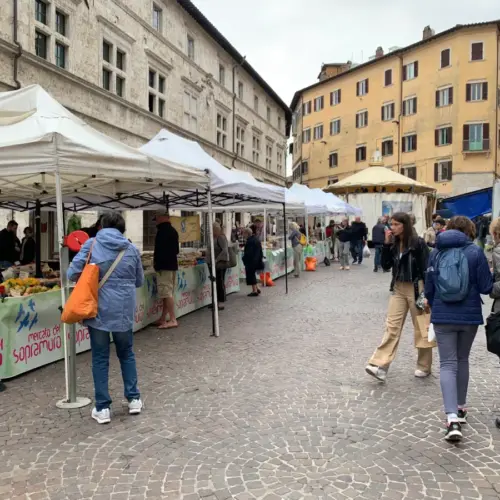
(275, 262)
(30, 327)
(318, 250)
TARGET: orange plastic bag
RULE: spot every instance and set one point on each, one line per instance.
(311, 263)
(266, 278)
(82, 302)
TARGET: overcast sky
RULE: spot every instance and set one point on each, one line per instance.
(286, 41)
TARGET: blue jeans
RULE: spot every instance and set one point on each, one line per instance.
(378, 257)
(99, 342)
(357, 250)
(454, 344)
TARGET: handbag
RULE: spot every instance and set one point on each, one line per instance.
(492, 328)
(83, 301)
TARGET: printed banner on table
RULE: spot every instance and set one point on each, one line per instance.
(31, 332)
(275, 263)
(189, 228)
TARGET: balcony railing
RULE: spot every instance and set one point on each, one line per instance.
(476, 146)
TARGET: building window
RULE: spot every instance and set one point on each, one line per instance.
(306, 108)
(476, 137)
(362, 119)
(41, 44)
(477, 51)
(388, 111)
(335, 97)
(157, 15)
(120, 60)
(279, 161)
(360, 153)
(476, 91)
(61, 23)
(444, 97)
(410, 106)
(256, 103)
(362, 87)
(240, 141)
(221, 131)
(190, 116)
(388, 77)
(222, 75)
(443, 136)
(443, 171)
(410, 71)
(190, 47)
(305, 167)
(445, 58)
(279, 123)
(410, 172)
(106, 79)
(335, 127)
(41, 11)
(255, 149)
(296, 173)
(269, 156)
(268, 114)
(387, 147)
(332, 180)
(60, 55)
(306, 135)
(120, 86)
(318, 132)
(107, 51)
(333, 160)
(240, 90)
(156, 96)
(319, 103)
(409, 143)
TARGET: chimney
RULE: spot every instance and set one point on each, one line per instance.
(428, 33)
(379, 52)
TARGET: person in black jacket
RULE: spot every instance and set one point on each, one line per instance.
(407, 256)
(359, 234)
(378, 238)
(344, 235)
(10, 246)
(253, 259)
(166, 266)
(28, 247)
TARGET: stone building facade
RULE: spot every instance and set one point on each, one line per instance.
(130, 68)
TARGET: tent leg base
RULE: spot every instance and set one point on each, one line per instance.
(64, 404)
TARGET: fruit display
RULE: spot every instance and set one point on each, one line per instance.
(189, 257)
(18, 287)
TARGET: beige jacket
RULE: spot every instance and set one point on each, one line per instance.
(495, 293)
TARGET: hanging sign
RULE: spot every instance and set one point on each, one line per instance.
(187, 227)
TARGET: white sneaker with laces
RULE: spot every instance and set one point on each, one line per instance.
(421, 374)
(102, 417)
(377, 372)
(135, 407)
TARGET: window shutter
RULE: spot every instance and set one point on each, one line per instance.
(450, 168)
(339, 94)
(450, 95)
(450, 134)
(415, 143)
(416, 68)
(366, 118)
(485, 91)
(405, 72)
(391, 147)
(403, 147)
(331, 98)
(367, 82)
(436, 172)
(486, 131)
(415, 99)
(357, 88)
(393, 110)
(468, 92)
(339, 125)
(466, 133)
(436, 137)
(382, 113)
(357, 121)
(437, 98)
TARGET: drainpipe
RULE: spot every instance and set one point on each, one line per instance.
(234, 106)
(400, 145)
(19, 46)
(497, 104)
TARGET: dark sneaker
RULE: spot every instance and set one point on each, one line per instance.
(497, 423)
(454, 432)
(462, 416)
(3, 387)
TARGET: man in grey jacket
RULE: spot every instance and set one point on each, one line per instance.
(378, 237)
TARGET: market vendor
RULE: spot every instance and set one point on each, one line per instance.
(166, 266)
(28, 247)
(10, 246)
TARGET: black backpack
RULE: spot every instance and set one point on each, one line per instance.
(492, 328)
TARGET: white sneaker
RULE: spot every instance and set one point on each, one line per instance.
(135, 407)
(377, 372)
(347, 268)
(102, 417)
(421, 374)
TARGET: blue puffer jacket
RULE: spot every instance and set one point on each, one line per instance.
(468, 311)
(117, 297)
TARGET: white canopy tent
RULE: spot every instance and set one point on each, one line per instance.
(49, 157)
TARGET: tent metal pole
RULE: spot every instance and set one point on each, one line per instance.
(265, 245)
(215, 305)
(286, 248)
(38, 239)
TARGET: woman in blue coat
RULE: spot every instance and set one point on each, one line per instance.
(456, 322)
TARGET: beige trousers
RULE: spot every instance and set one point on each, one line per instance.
(400, 303)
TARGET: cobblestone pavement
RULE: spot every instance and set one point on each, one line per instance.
(278, 407)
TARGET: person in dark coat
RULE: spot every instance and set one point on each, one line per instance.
(456, 323)
(378, 238)
(359, 233)
(10, 246)
(253, 259)
(28, 247)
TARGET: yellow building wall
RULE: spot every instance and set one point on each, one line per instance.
(424, 123)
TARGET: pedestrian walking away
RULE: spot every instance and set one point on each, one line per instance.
(407, 255)
(359, 236)
(120, 261)
(253, 260)
(378, 238)
(221, 256)
(344, 236)
(295, 237)
(457, 275)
